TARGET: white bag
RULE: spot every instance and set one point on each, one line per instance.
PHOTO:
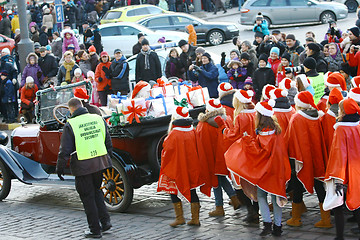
(331, 199)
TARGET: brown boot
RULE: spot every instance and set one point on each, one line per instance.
(303, 209)
(235, 202)
(218, 212)
(179, 215)
(295, 221)
(195, 210)
(325, 218)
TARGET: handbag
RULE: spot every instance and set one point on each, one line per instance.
(331, 199)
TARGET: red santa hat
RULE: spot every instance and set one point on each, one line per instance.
(304, 80)
(265, 108)
(335, 96)
(336, 80)
(326, 75)
(244, 96)
(81, 93)
(224, 88)
(355, 82)
(213, 105)
(140, 86)
(350, 106)
(355, 94)
(266, 91)
(287, 83)
(305, 100)
(278, 93)
(181, 112)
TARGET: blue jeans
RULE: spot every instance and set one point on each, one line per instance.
(226, 185)
(264, 207)
(172, 7)
(241, 2)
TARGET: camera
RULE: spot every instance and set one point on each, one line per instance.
(298, 69)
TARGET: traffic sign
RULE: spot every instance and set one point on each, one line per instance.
(58, 2)
(59, 13)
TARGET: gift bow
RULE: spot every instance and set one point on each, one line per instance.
(182, 103)
(115, 118)
(163, 100)
(182, 84)
(135, 112)
(160, 82)
(194, 89)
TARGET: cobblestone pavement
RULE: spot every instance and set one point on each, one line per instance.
(41, 212)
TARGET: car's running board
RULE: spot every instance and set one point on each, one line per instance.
(54, 180)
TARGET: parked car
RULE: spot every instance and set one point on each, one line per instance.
(131, 13)
(6, 42)
(213, 32)
(292, 11)
(352, 5)
(124, 36)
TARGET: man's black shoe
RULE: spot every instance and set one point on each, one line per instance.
(89, 234)
(106, 227)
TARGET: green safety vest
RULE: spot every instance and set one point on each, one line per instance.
(319, 86)
(90, 132)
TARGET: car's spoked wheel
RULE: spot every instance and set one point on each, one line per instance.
(115, 186)
(326, 17)
(216, 37)
(5, 181)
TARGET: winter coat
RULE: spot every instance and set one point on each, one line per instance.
(173, 68)
(147, 74)
(321, 64)
(48, 19)
(43, 39)
(207, 77)
(62, 73)
(263, 28)
(120, 75)
(334, 64)
(187, 58)
(9, 68)
(85, 66)
(136, 48)
(67, 147)
(15, 24)
(5, 27)
(97, 41)
(87, 36)
(192, 35)
(28, 94)
(94, 61)
(67, 42)
(103, 81)
(32, 70)
(7, 91)
(70, 15)
(56, 47)
(253, 57)
(265, 47)
(261, 77)
(48, 65)
(295, 52)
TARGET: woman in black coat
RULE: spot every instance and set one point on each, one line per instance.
(97, 39)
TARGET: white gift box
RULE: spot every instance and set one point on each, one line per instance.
(198, 96)
(132, 107)
(160, 106)
(181, 89)
(165, 90)
(113, 100)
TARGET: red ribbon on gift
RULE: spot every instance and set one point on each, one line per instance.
(193, 89)
(135, 112)
(162, 84)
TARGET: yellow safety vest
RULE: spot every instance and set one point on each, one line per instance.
(319, 86)
(90, 132)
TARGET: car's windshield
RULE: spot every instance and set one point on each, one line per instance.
(112, 15)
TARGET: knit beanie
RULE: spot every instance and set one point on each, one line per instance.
(200, 50)
(206, 54)
(310, 63)
(145, 42)
(182, 42)
(290, 36)
(235, 51)
(263, 57)
(245, 55)
(355, 31)
(287, 56)
(314, 46)
(275, 50)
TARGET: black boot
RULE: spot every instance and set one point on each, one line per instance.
(106, 226)
(276, 230)
(266, 230)
(90, 234)
(252, 215)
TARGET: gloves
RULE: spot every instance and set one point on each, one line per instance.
(223, 55)
(220, 122)
(100, 79)
(338, 35)
(38, 74)
(338, 188)
(106, 70)
(59, 173)
(197, 68)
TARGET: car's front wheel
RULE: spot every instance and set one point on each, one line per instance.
(118, 193)
(327, 16)
(216, 37)
(352, 5)
(5, 181)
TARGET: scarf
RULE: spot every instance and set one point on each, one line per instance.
(68, 66)
(146, 54)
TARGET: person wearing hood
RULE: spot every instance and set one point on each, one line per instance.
(192, 35)
(246, 47)
(313, 50)
(33, 70)
(148, 65)
(97, 39)
(66, 70)
(103, 78)
(294, 48)
(234, 54)
(119, 72)
(262, 76)
(69, 38)
(206, 75)
(56, 45)
(335, 58)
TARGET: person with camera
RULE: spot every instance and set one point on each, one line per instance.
(270, 42)
(206, 75)
(354, 57)
(188, 54)
(333, 34)
(261, 25)
(352, 38)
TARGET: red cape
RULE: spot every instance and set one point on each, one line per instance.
(181, 168)
(344, 161)
(262, 161)
(283, 116)
(306, 145)
(327, 123)
(244, 122)
(229, 113)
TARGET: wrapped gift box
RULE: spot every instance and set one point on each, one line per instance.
(182, 88)
(114, 99)
(165, 89)
(197, 96)
(133, 109)
(160, 106)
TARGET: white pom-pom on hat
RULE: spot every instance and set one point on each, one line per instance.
(181, 112)
(243, 96)
(213, 104)
(271, 103)
(250, 93)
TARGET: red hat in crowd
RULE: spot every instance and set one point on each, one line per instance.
(244, 96)
(355, 82)
(181, 112)
(355, 94)
(138, 87)
(81, 93)
(92, 48)
(278, 93)
(287, 83)
(103, 53)
(350, 106)
(304, 80)
(224, 88)
(305, 100)
(213, 105)
(265, 108)
(266, 91)
(335, 96)
(336, 80)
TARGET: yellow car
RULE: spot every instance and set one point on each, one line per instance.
(131, 13)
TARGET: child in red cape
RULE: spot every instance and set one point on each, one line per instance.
(214, 148)
(181, 169)
(226, 94)
(306, 146)
(264, 163)
(344, 166)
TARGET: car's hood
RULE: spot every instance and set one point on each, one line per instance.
(332, 4)
(172, 33)
(219, 23)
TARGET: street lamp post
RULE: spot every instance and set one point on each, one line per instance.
(25, 46)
